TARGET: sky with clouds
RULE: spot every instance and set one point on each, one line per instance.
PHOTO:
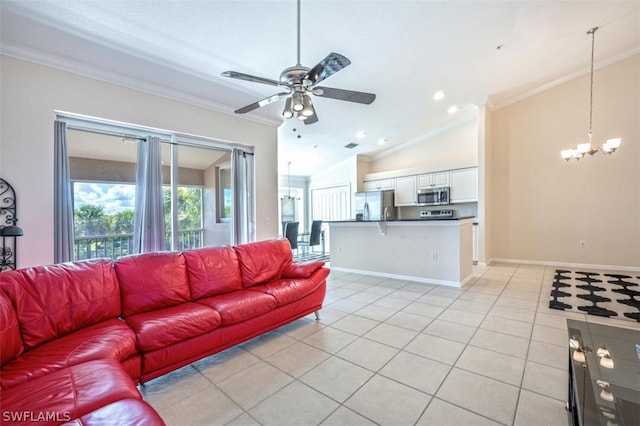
(114, 198)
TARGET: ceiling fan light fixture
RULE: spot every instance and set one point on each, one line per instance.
(297, 101)
(287, 112)
(307, 109)
(300, 81)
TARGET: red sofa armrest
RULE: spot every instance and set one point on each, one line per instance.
(301, 269)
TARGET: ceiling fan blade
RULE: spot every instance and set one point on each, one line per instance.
(344, 95)
(252, 78)
(330, 65)
(261, 103)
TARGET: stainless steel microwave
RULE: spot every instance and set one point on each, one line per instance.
(436, 196)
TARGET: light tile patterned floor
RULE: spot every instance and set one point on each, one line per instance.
(392, 352)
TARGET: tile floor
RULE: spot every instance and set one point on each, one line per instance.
(392, 352)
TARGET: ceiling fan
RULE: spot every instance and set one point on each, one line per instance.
(300, 81)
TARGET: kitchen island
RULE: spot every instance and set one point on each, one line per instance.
(430, 251)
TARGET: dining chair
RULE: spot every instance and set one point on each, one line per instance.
(314, 237)
(291, 234)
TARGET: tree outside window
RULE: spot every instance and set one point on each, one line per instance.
(104, 217)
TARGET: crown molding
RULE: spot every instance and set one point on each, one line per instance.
(426, 136)
(562, 80)
(82, 69)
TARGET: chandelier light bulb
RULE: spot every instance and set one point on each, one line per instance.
(584, 148)
(611, 145)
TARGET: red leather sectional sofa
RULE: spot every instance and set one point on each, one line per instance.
(76, 338)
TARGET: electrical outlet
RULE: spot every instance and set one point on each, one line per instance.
(582, 244)
(434, 255)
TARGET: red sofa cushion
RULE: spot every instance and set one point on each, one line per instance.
(152, 281)
(129, 412)
(263, 261)
(240, 305)
(157, 329)
(111, 339)
(301, 269)
(289, 290)
(212, 271)
(55, 300)
(68, 394)
(10, 340)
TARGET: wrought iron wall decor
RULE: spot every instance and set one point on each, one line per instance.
(8, 228)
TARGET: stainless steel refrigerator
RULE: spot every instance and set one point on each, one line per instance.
(375, 205)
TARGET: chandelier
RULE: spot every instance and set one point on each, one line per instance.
(587, 148)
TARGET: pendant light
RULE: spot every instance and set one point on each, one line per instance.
(611, 145)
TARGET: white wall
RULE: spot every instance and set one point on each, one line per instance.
(448, 149)
(542, 206)
(342, 173)
(32, 93)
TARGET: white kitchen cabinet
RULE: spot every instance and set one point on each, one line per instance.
(464, 185)
(430, 180)
(378, 185)
(405, 191)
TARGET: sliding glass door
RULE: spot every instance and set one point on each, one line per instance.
(197, 193)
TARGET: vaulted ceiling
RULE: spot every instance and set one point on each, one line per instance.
(476, 52)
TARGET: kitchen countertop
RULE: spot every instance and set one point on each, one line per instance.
(431, 219)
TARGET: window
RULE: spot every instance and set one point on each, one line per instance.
(103, 216)
(226, 197)
(103, 219)
(189, 217)
(197, 193)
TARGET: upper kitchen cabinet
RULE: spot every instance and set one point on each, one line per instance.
(378, 185)
(405, 191)
(464, 185)
(430, 180)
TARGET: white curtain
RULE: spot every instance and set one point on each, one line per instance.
(148, 226)
(242, 172)
(62, 198)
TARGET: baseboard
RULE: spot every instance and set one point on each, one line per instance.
(406, 277)
(568, 265)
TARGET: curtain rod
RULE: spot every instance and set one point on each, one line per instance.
(216, 145)
(110, 133)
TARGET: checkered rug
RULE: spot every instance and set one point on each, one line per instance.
(605, 295)
(307, 257)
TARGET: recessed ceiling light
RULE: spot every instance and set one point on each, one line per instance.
(438, 95)
(382, 141)
(361, 134)
(452, 109)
